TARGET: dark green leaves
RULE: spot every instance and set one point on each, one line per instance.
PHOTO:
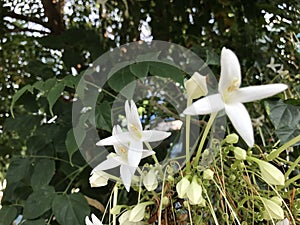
(70, 209)
(103, 116)
(38, 202)
(7, 215)
(18, 169)
(43, 172)
(286, 119)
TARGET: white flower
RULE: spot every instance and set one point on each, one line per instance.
(150, 180)
(182, 186)
(121, 158)
(272, 64)
(272, 210)
(283, 222)
(95, 221)
(135, 137)
(98, 179)
(196, 86)
(194, 192)
(231, 97)
(124, 219)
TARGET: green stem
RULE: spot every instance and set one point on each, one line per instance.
(155, 159)
(275, 153)
(115, 202)
(187, 139)
(204, 136)
(292, 167)
(292, 180)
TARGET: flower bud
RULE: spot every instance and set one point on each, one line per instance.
(239, 153)
(182, 186)
(138, 212)
(98, 179)
(277, 200)
(150, 180)
(270, 173)
(208, 174)
(194, 192)
(232, 138)
(196, 86)
(272, 210)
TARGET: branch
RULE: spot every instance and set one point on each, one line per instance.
(26, 18)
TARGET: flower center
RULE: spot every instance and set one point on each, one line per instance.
(136, 131)
(234, 86)
(231, 88)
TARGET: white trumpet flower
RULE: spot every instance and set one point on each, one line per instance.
(135, 135)
(121, 158)
(231, 97)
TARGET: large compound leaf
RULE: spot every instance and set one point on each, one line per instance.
(70, 209)
(285, 118)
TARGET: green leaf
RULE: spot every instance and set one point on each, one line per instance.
(18, 169)
(39, 69)
(54, 94)
(38, 202)
(34, 222)
(120, 79)
(18, 95)
(7, 215)
(212, 58)
(70, 209)
(140, 70)
(285, 118)
(43, 172)
(103, 116)
(71, 81)
(71, 144)
(22, 124)
(166, 70)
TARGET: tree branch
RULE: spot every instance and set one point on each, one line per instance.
(26, 18)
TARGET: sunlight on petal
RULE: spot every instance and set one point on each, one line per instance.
(230, 71)
(209, 104)
(154, 135)
(252, 93)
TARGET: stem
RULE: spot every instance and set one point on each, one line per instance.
(205, 133)
(187, 139)
(155, 159)
(115, 202)
(275, 153)
(292, 167)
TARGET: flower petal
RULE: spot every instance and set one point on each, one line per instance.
(209, 104)
(126, 174)
(252, 93)
(109, 163)
(230, 71)
(241, 121)
(87, 221)
(123, 137)
(95, 220)
(132, 116)
(135, 153)
(146, 153)
(154, 135)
